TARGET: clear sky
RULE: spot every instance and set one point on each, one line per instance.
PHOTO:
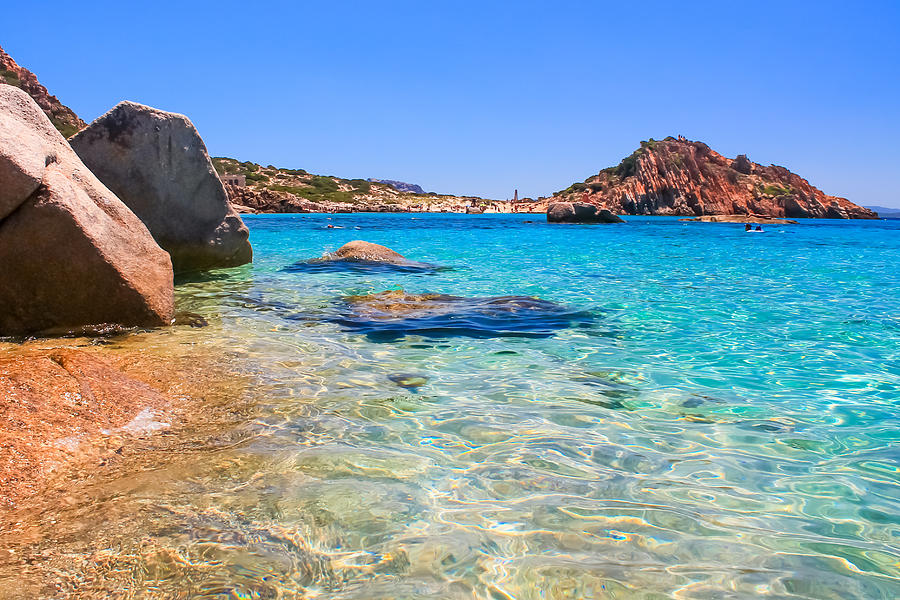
(484, 97)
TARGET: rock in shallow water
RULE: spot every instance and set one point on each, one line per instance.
(71, 253)
(395, 313)
(579, 212)
(408, 380)
(190, 319)
(157, 164)
(360, 250)
(360, 256)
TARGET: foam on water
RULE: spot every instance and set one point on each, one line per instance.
(725, 426)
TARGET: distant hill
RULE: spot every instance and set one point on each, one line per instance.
(62, 117)
(279, 190)
(886, 211)
(400, 185)
(687, 178)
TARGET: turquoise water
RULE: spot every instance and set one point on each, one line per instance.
(723, 425)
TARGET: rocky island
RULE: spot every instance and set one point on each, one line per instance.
(680, 177)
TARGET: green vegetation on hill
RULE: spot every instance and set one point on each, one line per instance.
(626, 168)
(9, 77)
(315, 188)
(65, 129)
(774, 190)
(324, 189)
(248, 169)
(318, 189)
(12, 78)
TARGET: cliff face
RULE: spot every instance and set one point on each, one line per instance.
(62, 117)
(684, 178)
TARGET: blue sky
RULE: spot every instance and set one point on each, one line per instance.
(484, 97)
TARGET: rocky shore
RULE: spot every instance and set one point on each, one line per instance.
(755, 219)
(90, 230)
(69, 404)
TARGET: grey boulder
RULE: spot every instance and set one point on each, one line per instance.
(157, 164)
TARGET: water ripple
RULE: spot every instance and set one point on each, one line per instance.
(726, 426)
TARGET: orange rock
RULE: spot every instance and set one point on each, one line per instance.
(62, 117)
(679, 177)
(54, 406)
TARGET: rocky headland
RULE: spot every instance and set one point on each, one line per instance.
(679, 177)
(62, 117)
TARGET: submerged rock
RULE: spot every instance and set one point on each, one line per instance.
(408, 380)
(190, 319)
(579, 212)
(396, 313)
(362, 256)
(157, 164)
(71, 253)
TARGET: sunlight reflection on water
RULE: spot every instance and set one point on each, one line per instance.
(727, 428)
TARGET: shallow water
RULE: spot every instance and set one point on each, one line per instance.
(724, 425)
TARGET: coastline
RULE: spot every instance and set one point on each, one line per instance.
(488, 207)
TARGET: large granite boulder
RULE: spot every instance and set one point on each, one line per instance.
(157, 164)
(71, 254)
(579, 212)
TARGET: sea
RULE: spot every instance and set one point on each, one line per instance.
(649, 410)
